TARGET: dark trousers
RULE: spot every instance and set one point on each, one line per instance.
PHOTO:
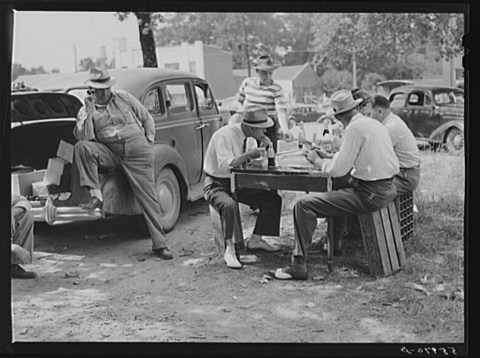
(217, 192)
(136, 159)
(355, 198)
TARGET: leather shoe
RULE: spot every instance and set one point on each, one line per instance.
(19, 272)
(92, 204)
(164, 253)
(289, 273)
(231, 260)
(260, 244)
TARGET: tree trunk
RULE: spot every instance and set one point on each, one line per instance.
(147, 41)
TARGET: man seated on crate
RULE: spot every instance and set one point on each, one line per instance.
(404, 145)
(22, 237)
(232, 146)
(114, 130)
(367, 151)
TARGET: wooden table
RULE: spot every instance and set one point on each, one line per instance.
(286, 176)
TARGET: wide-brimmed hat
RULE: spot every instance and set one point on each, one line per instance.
(256, 117)
(265, 63)
(342, 101)
(100, 78)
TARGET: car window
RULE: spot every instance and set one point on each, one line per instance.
(398, 100)
(446, 97)
(179, 99)
(416, 99)
(153, 102)
(206, 104)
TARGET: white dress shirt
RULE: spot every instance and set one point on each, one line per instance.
(367, 148)
(226, 144)
(404, 143)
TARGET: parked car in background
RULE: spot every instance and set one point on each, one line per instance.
(185, 114)
(385, 87)
(306, 112)
(434, 114)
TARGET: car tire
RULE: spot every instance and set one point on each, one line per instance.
(169, 198)
(454, 141)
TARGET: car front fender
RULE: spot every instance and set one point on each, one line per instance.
(438, 134)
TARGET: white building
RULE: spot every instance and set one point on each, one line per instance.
(206, 61)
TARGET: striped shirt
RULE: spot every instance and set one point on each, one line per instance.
(404, 143)
(367, 148)
(251, 92)
(225, 145)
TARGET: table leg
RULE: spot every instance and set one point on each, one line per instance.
(330, 239)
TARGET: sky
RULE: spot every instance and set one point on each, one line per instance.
(54, 39)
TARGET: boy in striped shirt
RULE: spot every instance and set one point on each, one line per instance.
(264, 91)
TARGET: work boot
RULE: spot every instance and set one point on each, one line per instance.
(19, 272)
(164, 253)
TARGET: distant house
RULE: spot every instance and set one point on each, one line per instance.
(300, 82)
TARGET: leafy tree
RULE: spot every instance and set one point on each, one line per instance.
(382, 43)
(241, 33)
(147, 23)
(86, 64)
(19, 70)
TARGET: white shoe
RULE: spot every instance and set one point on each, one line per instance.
(260, 244)
(231, 260)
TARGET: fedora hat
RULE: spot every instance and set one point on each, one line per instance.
(265, 63)
(100, 78)
(342, 101)
(256, 117)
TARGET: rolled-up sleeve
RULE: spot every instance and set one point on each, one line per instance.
(80, 132)
(342, 161)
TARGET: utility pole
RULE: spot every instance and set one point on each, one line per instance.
(246, 44)
(75, 57)
(354, 64)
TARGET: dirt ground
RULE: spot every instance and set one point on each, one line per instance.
(96, 289)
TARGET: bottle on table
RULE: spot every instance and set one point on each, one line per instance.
(301, 135)
(270, 156)
(327, 141)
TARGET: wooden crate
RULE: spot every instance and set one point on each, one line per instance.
(383, 241)
(217, 228)
(404, 205)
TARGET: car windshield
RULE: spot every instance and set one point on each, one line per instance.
(445, 97)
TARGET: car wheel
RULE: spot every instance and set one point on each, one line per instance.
(454, 141)
(169, 198)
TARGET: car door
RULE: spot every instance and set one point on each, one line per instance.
(420, 111)
(210, 118)
(182, 126)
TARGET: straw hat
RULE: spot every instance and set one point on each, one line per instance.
(342, 101)
(99, 78)
(265, 63)
(256, 117)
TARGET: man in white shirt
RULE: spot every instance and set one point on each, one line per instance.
(404, 145)
(232, 146)
(367, 151)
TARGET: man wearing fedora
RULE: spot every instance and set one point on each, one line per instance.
(264, 91)
(367, 151)
(232, 146)
(365, 106)
(114, 130)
